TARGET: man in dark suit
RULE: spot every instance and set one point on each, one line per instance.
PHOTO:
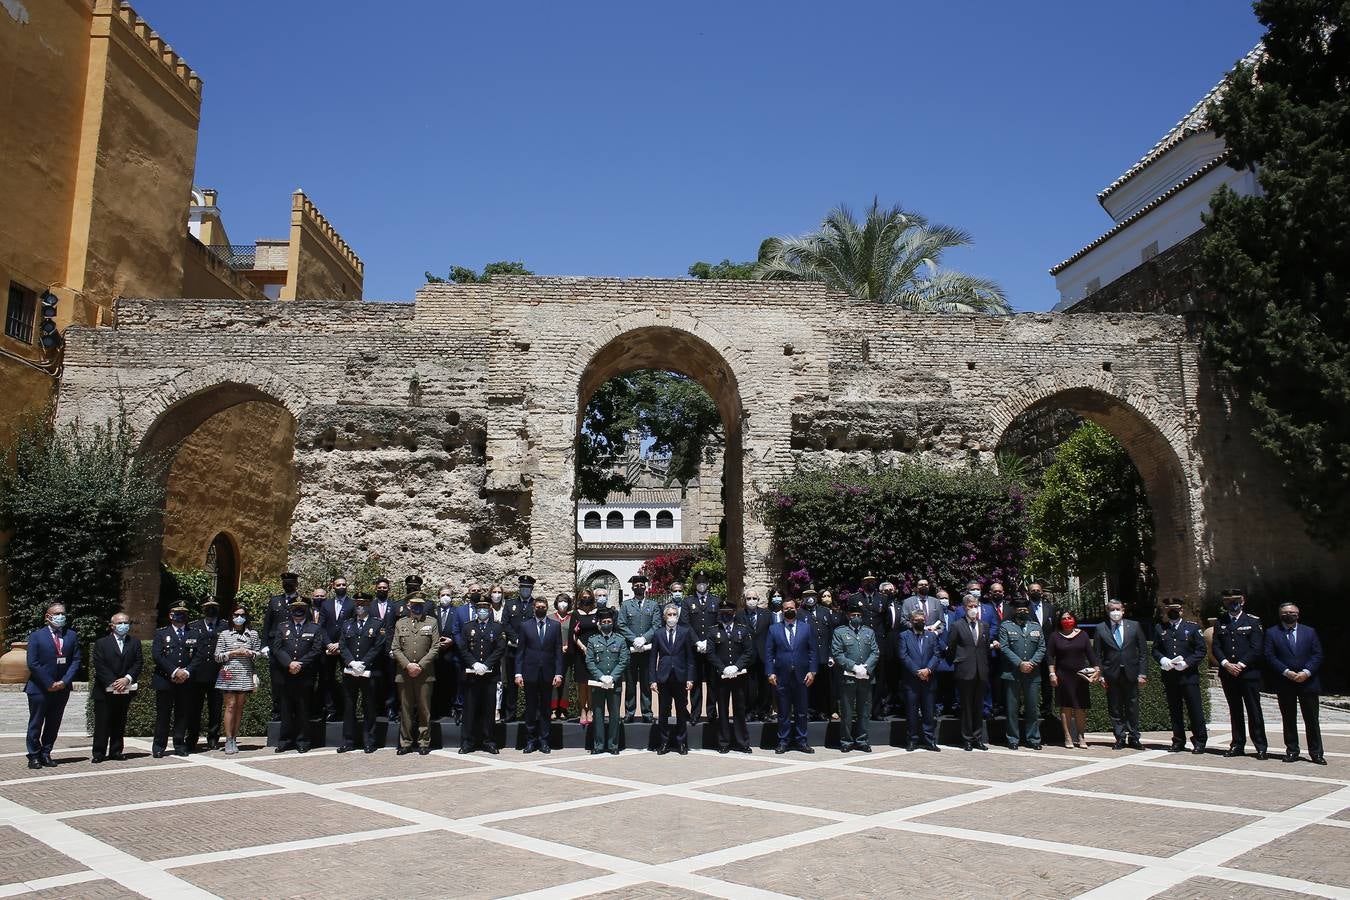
(1239, 650)
(887, 694)
(202, 640)
(117, 665)
(1294, 653)
(539, 669)
(1122, 650)
(363, 644)
(790, 658)
(297, 647)
(278, 608)
(920, 650)
(823, 621)
(731, 649)
(510, 613)
(450, 618)
(968, 652)
(172, 682)
(756, 620)
(53, 660)
(1179, 648)
(387, 610)
(672, 668)
(333, 614)
(480, 647)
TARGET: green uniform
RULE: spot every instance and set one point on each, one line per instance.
(851, 648)
(606, 655)
(638, 619)
(415, 642)
(1019, 644)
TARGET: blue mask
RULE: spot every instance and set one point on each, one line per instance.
(59, 620)
(526, 591)
(240, 620)
(483, 614)
(122, 628)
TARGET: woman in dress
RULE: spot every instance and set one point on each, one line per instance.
(1073, 667)
(585, 624)
(235, 651)
(561, 606)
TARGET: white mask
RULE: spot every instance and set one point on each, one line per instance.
(751, 603)
(562, 606)
(445, 600)
(1116, 615)
(671, 620)
(972, 613)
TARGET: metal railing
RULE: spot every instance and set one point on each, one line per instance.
(236, 256)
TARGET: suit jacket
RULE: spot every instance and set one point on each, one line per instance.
(302, 644)
(171, 653)
(329, 619)
(203, 643)
(366, 642)
(393, 611)
(1186, 641)
(969, 653)
(919, 650)
(1305, 652)
(278, 612)
(1127, 661)
(456, 619)
(782, 659)
(934, 611)
(110, 665)
(1239, 640)
(756, 622)
(672, 660)
(45, 665)
(539, 660)
(890, 623)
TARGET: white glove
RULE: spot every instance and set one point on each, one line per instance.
(1179, 663)
(607, 680)
(1166, 664)
(730, 672)
(701, 646)
(266, 651)
(358, 666)
(479, 669)
(860, 670)
(639, 642)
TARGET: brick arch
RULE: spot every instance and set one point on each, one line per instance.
(1156, 441)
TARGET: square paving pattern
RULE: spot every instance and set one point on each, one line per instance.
(1059, 823)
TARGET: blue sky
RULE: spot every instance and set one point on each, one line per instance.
(635, 138)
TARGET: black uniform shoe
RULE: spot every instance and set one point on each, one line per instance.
(492, 748)
(180, 753)
(781, 748)
(724, 750)
(1198, 748)
(97, 759)
(1234, 751)
(402, 750)
(845, 748)
(465, 750)
(629, 720)
(544, 747)
(279, 748)
(967, 745)
(1176, 748)
(370, 749)
(1291, 756)
(748, 750)
(981, 745)
(1261, 754)
(531, 746)
(1012, 745)
(614, 752)
(683, 749)
(914, 745)
(423, 750)
(1135, 744)
(34, 763)
(119, 757)
(936, 749)
(1118, 745)
(1036, 746)
(346, 748)
(863, 748)
(647, 720)
(595, 752)
(304, 748)
(1319, 760)
(805, 748)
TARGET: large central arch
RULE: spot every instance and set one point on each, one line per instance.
(673, 349)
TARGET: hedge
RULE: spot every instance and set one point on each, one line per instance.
(1153, 714)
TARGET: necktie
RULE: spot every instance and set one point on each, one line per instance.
(56, 639)
(670, 636)
(1120, 635)
(541, 632)
(1293, 639)
(790, 633)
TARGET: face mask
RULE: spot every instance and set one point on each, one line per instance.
(676, 595)
(1234, 607)
(122, 628)
(540, 611)
(826, 601)
(918, 624)
(1173, 615)
(923, 590)
(974, 592)
(59, 620)
(789, 614)
(751, 603)
(417, 608)
(179, 618)
(445, 600)
(727, 615)
(1020, 616)
(1116, 615)
(474, 597)
(562, 606)
(482, 614)
(972, 613)
(701, 588)
(362, 610)
(382, 593)
(1067, 624)
(1035, 596)
(602, 602)
(996, 598)
(671, 620)
(855, 620)
(776, 602)
(1289, 618)
(211, 612)
(606, 627)
(639, 592)
(810, 601)
(341, 592)
(526, 591)
(496, 598)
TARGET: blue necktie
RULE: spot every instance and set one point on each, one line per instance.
(1120, 635)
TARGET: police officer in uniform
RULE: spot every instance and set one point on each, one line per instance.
(823, 621)
(364, 644)
(1239, 650)
(275, 615)
(755, 618)
(607, 661)
(202, 639)
(731, 653)
(1179, 648)
(481, 646)
(296, 649)
(414, 647)
(387, 610)
(172, 655)
(699, 612)
(855, 653)
(639, 616)
(508, 614)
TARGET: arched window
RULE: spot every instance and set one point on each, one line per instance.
(665, 519)
(592, 520)
(614, 520)
(222, 562)
(642, 519)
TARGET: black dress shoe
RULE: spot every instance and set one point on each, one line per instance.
(1012, 745)
(1319, 760)
(646, 720)
(1263, 755)
(303, 748)
(117, 757)
(180, 753)
(936, 749)
(683, 749)
(1118, 745)
(742, 749)
(614, 752)
(1176, 748)
(531, 746)
(781, 748)
(981, 745)
(97, 759)
(34, 763)
(1198, 749)
(402, 750)
(911, 746)
(967, 745)
(545, 748)
(346, 748)
(423, 751)
(595, 752)
(805, 748)
(369, 750)
(862, 748)
(724, 750)
(1135, 744)
(629, 720)
(492, 748)
(662, 750)
(845, 748)
(1291, 756)
(464, 750)
(1234, 751)
(1035, 746)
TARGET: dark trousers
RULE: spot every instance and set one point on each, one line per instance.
(920, 714)
(1189, 695)
(445, 689)
(480, 697)
(705, 686)
(634, 687)
(758, 694)
(387, 698)
(731, 708)
(360, 694)
(203, 693)
(605, 727)
(944, 698)
(1022, 700)
(820, 696)
(1290, 703)
(538, 697)
(885, 695)
(1244, 693)
(670, 693)
(509, 691)
(971, 692)
(278, 672)
(295, 696)
(110, 722)
(1122, 706)
(855, 706)
(44, 721)
(792, 714)
(171, 709)
(328, 689)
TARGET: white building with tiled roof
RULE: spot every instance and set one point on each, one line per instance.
(1156, 203)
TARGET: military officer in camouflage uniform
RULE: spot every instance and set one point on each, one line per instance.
(481, 646)
(855, 652)
(639, 616)
(1022, 644)
(731, 653)
(414, 646)
(607, 661)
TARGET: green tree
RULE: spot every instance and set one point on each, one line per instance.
(727, 270)
(1280, 261)
(77, 501)
(462, 275)
(892, 256)
(1091, 515)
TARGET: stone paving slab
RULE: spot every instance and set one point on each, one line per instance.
(1336, 767)
(24, 858)
(68, 763)
(430, 864)
(102, 889)
(1201, 786)
(1318, 853)
(1112, 825)
(169, 831)
(673, 768)
(989, 766)
(331, 768)
(846, 791)
(486, 791)
(885, 862)
(661, 829)
(1218, 889)
(120, 788)
(19, 744)
(648, 891)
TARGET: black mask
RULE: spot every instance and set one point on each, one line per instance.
(1173, 615)
(918, 625)
(855, 620)
(540, 611)
(789, 614)
(727, 615)
(1035, 596)
(1289, 618)
(382, 593)
(1020, 616)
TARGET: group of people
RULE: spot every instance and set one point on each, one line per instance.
(365, 656)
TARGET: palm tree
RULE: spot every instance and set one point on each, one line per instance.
(892, 257)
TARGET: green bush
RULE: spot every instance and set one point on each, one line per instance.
(1153, 715)
(834, 525)
(141, 717)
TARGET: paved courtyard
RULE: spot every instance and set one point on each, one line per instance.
(1057, 823)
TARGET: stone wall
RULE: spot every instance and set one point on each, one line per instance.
(441, 437)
